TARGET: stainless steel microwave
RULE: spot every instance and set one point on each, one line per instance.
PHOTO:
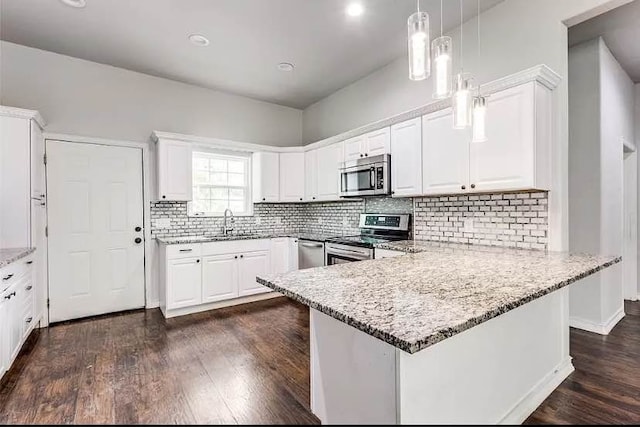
(369, 176)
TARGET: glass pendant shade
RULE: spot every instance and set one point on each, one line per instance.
(479, 119)
(443, 78)
(419, 46)
(462, 102)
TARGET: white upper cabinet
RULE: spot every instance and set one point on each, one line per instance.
(378, 142)
(516, 153)
(266, 177)
(292, 177)
(329, 159)
(406, 158)
(174, 170)
(370, 144)
(354, 148)
(445, 155)
(311, 175)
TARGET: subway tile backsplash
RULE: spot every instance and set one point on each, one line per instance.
(509, 220)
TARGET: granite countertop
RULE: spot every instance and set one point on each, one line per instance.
(7, 256)
(232, 237)
(408, 246)
(417, 300)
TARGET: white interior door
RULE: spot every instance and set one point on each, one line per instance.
(96, 265)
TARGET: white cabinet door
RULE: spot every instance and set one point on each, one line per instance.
(251, 265)
(280, 255)
(15, 319)
(293, 254)
(174, 170)
(377, 142)
(354, 148)
(292, 177)
(406, 158)
(266, 177)
(506, 160)
(329, 160)
(219, 277)
(184, 282)
(311, 175)
(15, 182)
(445, 155)
(5, 327)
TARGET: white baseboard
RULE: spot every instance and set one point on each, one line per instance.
(220, 304)
(598, 328)
(153, 304)
(530, 402)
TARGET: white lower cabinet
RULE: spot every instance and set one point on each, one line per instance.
(219, 277)
(250, 266)
(184, 282)
(204, 276)
(17, 314)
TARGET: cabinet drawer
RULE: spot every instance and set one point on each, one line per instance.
(27, 319)
(235, 246)
(11, 273)
(184, 251)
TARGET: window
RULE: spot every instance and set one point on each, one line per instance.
(220, 181)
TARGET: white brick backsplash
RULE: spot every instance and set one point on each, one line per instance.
(510, 220)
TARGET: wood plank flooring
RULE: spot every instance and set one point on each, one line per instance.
(250, 364)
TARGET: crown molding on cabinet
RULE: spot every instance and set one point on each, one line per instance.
(539, 73)
(24, 114)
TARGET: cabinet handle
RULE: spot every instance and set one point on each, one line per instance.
(186, 250)
(7, 277)
(29, 319)
(28, 288)
(12, 294)
(464, 187)
(473, 186)
(29, 262)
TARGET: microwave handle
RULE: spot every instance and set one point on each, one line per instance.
(373, 178)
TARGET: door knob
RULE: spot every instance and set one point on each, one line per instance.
(138, 229)
(138, 240)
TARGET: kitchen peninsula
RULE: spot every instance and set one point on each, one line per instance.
(443, 334)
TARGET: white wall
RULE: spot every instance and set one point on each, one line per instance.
(601, 116)
(86, 98)
(517, 34)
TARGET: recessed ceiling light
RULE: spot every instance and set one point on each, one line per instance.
(199, 40)
(285, 66)
(75, 3)
(355, 9)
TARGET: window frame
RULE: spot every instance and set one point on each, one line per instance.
(226, 155)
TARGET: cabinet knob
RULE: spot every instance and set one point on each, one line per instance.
(29, 262)
(197, 260)
(300, 198)
(241, 256)
(313, 198)
(138, 240)
(138, 229)
(164, 197)
(236, 257)
(263, 199)
(393, 192)
(473, 186)
(361, 155)
(464, 187)
(28, 288)
(366, 154)
(29, 319)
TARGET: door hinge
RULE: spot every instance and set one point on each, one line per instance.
(46, 231)
(45, 158)
(48, 302)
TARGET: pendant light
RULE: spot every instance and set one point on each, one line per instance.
(479, 103)
(419, 45)
(442, 51)
(462, 97)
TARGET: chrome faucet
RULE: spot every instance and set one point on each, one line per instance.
(226, 229)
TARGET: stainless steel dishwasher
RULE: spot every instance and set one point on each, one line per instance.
(310, 254)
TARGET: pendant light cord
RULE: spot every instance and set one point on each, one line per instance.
(479, 54)
(441, 29)
(461, 18)
(418, 5)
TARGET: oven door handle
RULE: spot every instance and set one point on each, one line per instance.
(348, 252)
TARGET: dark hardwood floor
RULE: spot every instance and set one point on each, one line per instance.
(250, 364)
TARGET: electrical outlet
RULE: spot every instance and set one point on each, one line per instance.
(468, 225)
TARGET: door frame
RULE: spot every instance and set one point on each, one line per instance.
(151, 301)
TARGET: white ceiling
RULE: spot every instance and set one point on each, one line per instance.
(248, 39)
(620, 29)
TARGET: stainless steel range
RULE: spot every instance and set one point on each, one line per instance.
(374, 228)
